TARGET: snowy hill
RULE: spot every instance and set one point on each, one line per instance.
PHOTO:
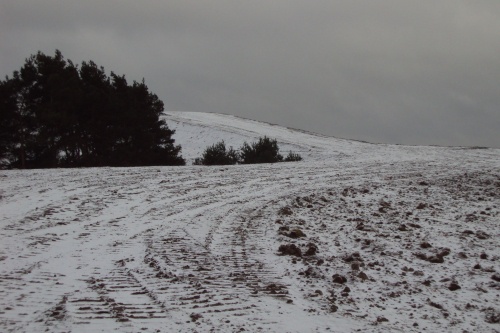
(358, 237)
(197, 130)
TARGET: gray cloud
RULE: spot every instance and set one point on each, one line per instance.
(411, 72)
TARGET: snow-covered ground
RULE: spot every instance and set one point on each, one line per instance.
(356, 238)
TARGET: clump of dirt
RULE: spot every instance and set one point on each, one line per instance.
(402, 227)
(296, 233)
(355, 265)
(482, 235)
(425, 245)
(283, 228)
(195, 316)
(435, 305)
(290, 250)
(437, 258)
(312, 249)
(496, 277)
(58, 312)
(311, 272)
(340, 279)
(363, 276)
(286, 211)
(422, 205)
(371, 239)
(492, 316)
(276, 289)
(352, 257)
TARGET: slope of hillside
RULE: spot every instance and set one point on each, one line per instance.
(197, 130)
(356, 238)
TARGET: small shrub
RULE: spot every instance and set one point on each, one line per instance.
(265, 150)
(293, 157)
(217, 154)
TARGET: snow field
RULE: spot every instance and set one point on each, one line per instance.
(195, 249)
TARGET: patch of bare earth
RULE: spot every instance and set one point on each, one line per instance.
(407, 253)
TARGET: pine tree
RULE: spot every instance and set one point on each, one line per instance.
(217, 154)
(263, 151)
(56, 114)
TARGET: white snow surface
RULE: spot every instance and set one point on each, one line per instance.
(394, 239)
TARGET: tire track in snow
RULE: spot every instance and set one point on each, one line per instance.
(150, 244)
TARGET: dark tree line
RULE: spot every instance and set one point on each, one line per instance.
(54, 113)
(265, 150)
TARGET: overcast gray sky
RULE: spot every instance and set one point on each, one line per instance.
(409, 72)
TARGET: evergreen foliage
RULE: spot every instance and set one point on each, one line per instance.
(55, 114)
(265, 150)
(217, 154)
(293, 157)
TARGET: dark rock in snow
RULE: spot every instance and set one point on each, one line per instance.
(337, 278)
